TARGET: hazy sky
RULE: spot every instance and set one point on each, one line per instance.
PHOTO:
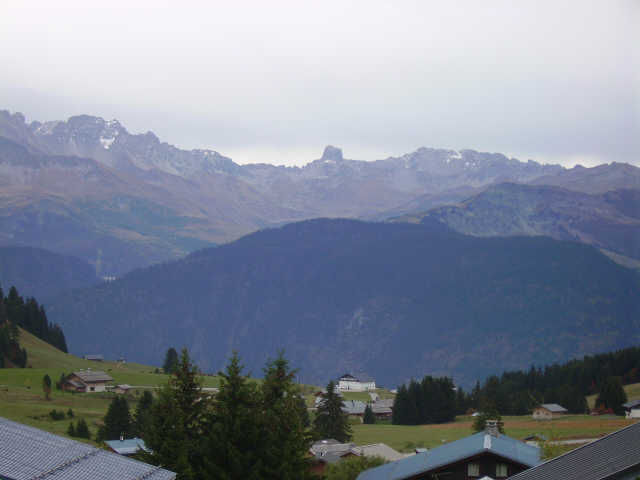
(274, 81)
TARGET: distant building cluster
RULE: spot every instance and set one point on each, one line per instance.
(349, 383)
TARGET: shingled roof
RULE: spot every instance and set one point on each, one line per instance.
(27, 453)
(92, 376)
(602, 459)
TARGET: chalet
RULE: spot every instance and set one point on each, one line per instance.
(350, 383)
(547, 411)
(485, 453)
(126, 446)
(94, 358)
(632, 409)
(30, 453)
(87, 381)
(614, 457)
(329, 451)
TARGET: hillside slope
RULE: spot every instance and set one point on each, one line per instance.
(608, 220)
(389, 300)
(42, 274)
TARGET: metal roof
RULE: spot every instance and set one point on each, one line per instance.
(554, 407)
(91, 376)
(27, 453)
(128, 446)
(598, 460)
(503, 446)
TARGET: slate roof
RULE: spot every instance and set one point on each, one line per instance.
(554, 408)
(598, 460)
(506, 447)
(92, 376)
(128, 446)
(27, 453)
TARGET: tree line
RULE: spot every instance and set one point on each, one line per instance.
(518, 392)
(247, 430)
(29, 315)
(432, 400)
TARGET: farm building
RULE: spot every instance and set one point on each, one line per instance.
(94, 358)
(547, 411)
(122, 389)
(328, 451)
(87, 381)
(30, 453)
(632, 409)
(487, 453)
(350, 383)
(614, 457)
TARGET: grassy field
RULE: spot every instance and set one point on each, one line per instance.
(22, 398)
(406, 438)
(633, 393)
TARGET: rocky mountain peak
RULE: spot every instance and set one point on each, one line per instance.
(332, 153)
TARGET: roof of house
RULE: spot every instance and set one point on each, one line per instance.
(348, 377)
(503, 446)
(124, 386)
(554, 408)
(632, 404)
(380, 409)
(92, 376)
(74, 383)
(353, 407)
(378, 450)
(597, 460)
(384, 402)
(128, 446)
(27, 453)
(94, 357)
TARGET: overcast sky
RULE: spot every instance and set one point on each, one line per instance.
(275, 81)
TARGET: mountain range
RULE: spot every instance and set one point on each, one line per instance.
(390, 300)
(120, 201)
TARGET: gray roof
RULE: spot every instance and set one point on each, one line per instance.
(384, 402)
(503, 446)
(128, 446)
(92, 376)
(598, 460)
(554, 408)
(381, 450)
(632, 404)
(27, 453)
(353, 407)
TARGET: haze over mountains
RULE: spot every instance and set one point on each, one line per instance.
(140, 201)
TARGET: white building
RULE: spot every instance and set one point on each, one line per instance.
(352, 384)
(632, 409)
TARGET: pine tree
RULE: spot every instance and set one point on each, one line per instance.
(174, 433)
(612, 395)
(82, 430)
(142, 416)
(368, 418)
(46, 386)
(170, 361)
(234, 440)
(331, 421)
(117, 421)
(285, 440)
(71, 431)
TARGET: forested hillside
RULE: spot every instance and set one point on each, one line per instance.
(42, 274)
(394, 301)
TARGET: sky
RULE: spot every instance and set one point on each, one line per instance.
(553, 81)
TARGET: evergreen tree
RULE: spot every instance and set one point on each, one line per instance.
(285, 440)
(170, 361)
(71, 431)
(82, 430)
(174, 432)
(234, 440)
(331, 421)
(368, 418)
(142, 415)
(117, 421)
(351, 467)
(480, 421)
(400, 414)
(46, 386)
(612, 395)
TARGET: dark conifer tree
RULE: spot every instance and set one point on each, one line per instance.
(46, 386)
(612, 395)
(82, 429)
(117, 421)
(331, 421)
(142, 415)
(368, 418)
(170, 361)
